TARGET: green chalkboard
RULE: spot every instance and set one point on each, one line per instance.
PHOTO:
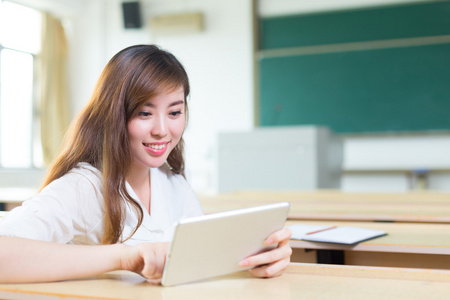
(393, 22)
(372, 90)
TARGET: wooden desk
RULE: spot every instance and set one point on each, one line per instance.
(300, 281)
(424, 207)
(416, 245)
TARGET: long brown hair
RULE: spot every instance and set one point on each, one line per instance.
(99, 135)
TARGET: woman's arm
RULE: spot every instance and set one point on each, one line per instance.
(271, 263)
(24, 260)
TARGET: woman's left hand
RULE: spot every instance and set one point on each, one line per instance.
(271, 263)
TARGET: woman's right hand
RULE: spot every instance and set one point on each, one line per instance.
(146, 259)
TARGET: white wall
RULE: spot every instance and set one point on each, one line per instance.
(391, 162)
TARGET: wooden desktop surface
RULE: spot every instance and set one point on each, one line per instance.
(300, 281)
(425, 207)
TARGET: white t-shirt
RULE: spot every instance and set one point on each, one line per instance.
(71, 209)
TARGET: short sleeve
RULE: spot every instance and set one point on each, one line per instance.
(68, 210)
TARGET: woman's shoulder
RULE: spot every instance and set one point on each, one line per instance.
(68, 208)
(87, 171)
(83, 175)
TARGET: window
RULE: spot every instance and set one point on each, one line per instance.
(19, 121)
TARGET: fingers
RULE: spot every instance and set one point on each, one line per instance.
(271, 263)
(154, 281)
(268, 257)
(279, 236)
(271, 270)
(154, 259)
(274, 262)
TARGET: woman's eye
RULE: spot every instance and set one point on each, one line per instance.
(144, 114)
(176, 113)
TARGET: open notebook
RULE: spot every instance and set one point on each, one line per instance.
(333, 234)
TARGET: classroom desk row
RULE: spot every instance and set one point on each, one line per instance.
(326, 205)
(412, 245)
(334, 205)
(300, 281)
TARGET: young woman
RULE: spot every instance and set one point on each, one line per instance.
(111, 198)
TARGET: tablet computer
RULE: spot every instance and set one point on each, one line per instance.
(214, 244)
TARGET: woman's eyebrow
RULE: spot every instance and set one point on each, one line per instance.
(149, 104)
(176, 103)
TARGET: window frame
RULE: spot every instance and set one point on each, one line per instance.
(32, 174)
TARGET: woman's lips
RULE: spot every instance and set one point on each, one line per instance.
(156, 148)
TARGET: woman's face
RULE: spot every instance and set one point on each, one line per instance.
(157, 129)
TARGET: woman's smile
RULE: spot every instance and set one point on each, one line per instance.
(156, 148)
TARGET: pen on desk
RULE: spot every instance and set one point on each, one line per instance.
(320, 230)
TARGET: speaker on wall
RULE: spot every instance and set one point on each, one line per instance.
(131, 14)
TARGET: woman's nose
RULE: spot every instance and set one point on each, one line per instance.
(159, 127)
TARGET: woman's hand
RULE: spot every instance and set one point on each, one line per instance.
(146, 259)
(271, 263)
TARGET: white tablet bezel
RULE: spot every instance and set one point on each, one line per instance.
(214, 244)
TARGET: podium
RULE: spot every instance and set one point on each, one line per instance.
(279, 158)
